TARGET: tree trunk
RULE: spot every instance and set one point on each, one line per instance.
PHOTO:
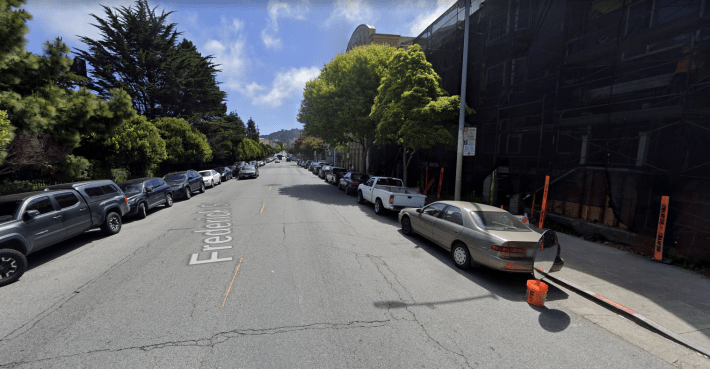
(363, 143)
(404, 165)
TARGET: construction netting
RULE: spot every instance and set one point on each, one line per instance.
(610, 98)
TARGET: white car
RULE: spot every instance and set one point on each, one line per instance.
(277, 161)
(211, 177)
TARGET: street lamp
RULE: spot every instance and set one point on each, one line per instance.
(462, 111)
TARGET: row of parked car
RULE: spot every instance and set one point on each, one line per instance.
(475, 234)
(32, 221)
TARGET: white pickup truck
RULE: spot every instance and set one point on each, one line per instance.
(388, 194)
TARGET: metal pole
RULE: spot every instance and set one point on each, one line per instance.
(462, 112)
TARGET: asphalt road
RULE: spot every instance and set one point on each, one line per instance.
(283, 271)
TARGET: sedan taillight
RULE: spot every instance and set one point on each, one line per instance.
(354, 184)
(505, 251)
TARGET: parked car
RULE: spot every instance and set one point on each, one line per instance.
(235, 170)
(316, 167)
(351, 180)
(277, 161)
(388, 194)
(322, 170)
(225, 173)
(146, 193)
(184, 184)
(211, 177)
(249, 171)
(261, 163)
(477, 234)
(240, 164)
(306, 164)
(288, 159)
(32, 221)
(254, 163)
(334, 174)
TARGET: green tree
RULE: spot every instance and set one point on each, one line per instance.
(137, 146)
(183, 142)
(45, 101)
(248, 150)
(336, 106)
(224, 135)
(411, 107)
(6, 134)
(138, 52)
(252, 131)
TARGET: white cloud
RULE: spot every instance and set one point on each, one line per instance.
(426, 14)
(281, 9)
(230, 52)
(71, 21)
(351, 11)
(286, 85)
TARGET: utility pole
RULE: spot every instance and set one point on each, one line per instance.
(462, 112)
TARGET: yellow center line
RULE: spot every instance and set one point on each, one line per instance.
(269, 188)
(262, 208)
(230, 285)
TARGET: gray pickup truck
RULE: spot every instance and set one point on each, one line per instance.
(32, 221)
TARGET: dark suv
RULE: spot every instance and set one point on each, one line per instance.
(146, 193)
(183, 184)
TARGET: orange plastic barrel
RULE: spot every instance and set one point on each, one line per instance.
(537, 292)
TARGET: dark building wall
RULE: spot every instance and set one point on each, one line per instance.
(609, 98)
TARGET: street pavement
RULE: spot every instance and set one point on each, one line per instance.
(285, 271)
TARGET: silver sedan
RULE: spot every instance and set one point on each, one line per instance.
(476, 234)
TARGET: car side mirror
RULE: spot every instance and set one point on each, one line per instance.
(30, 214)
(419, 210)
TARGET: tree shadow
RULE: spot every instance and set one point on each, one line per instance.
(60, 249)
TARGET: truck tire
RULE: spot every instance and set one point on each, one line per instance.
(142, 214)
(112, 224)
(360, 199)
(12, 266)
(379, 209)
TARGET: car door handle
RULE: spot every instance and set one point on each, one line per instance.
(41, 233)
(456, 231)
(82, 209)
(431, 222)
(57, 217)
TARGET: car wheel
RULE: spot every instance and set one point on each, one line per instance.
(12, 266)
(379, 210)
(168, 200)
(461, 256)
(141, 211)
(188, 193)
(112, 224)
(347, 190)
(360, 199)
(340, 187)
(212, 184)
(406, 226)
(202, 187)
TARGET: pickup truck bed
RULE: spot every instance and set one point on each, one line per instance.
(388, 197)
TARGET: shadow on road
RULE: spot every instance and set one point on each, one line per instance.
(56, 251)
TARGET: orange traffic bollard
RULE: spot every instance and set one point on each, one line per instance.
(537, 292)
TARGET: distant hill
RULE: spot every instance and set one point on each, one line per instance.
(284, 135)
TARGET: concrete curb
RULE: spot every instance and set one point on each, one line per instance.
(632, 315)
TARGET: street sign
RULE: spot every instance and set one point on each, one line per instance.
(469, 141)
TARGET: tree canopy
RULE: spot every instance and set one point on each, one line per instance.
(252, 131)
(138, 52)
(411, 108)
(44, 100)
(224, 135)
(183, 142)
(336, 105)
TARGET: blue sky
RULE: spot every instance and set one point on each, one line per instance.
(267, 49)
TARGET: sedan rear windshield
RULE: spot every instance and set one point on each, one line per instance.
(360, 178)
(175, 178)
(498, 221)
(8, 209)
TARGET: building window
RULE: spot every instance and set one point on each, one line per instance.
(653, 13)
(522, 14)
(494, 76)
(516, 14)
(517, 70)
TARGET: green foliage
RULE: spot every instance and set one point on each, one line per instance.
(137, 145)
(6, 134)
(72, 168)
(336, 106)
(249, 150)
(11, 187)
(184, 143)
(138, 52)
(252, 132)
(44, 99)
(411, 106)
(224, 135)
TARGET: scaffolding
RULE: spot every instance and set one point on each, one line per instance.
(607, 97)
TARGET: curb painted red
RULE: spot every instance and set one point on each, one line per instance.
(633, 316)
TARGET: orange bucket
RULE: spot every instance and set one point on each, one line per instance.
(537, 292)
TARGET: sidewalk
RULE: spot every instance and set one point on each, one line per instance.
(675, 299)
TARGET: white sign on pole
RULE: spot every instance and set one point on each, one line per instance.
(469, 141)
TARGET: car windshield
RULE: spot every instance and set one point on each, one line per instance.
(359, 177)
(135, 187)
(8, 209)
(248, 167)
(498, 221)
(175, 178)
